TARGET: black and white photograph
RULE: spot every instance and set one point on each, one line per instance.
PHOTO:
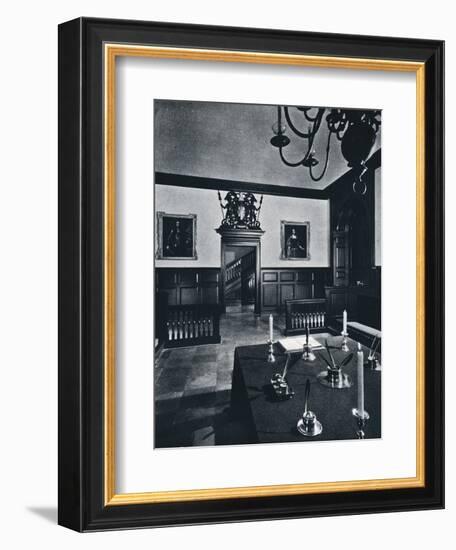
(272, 333)
(224, 265)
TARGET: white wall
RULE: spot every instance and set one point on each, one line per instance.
(28, 278)
(204, 203)
(295, 210)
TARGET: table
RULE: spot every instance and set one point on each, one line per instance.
(268, 420)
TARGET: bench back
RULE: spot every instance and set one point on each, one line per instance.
(309, 312)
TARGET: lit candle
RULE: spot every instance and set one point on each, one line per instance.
(307, 335)
(360, 356)
(271, 328)
(345, 321)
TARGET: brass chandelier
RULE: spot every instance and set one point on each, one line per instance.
(354, 128)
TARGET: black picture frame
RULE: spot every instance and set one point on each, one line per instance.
(82, 503)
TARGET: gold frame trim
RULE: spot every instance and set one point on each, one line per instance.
(111, 52)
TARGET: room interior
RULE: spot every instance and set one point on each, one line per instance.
(222, 297)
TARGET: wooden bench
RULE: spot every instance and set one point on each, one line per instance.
(192, 325)
(309, 312)
(364, 334)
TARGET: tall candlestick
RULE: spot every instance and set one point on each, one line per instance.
(344, 321)
(360, 356)
(271, 328)
(307, 335)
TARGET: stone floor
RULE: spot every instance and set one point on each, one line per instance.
(193, 385)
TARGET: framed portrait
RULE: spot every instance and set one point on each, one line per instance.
(253, 342)
(294, 240)
(176, 234)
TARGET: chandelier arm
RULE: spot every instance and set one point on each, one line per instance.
(312, 119)
(293, 127)
(318, 178)
(319, 118)
(291, 164)
(340, 134)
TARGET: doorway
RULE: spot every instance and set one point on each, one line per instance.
(352, 245)
(239, 269)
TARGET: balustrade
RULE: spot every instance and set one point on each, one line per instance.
(192, 325)
(303, 314)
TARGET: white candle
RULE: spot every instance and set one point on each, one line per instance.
(344, 320)
(271, 328)
(360, 356)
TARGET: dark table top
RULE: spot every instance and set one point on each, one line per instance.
(270, 421)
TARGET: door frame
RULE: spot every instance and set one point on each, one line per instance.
(241, 237)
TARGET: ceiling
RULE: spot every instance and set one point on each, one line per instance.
(232, 141)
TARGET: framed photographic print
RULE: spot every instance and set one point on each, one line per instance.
(294, 237)
(176, 234)
(247, 340)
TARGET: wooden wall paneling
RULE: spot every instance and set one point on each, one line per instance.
(287, 276)
(270, 296)
(280, 284)
(287, 292)
(189, 286)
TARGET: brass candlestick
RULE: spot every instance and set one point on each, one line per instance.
(344, 346)
(307, 354)
(271, 356)
(361, 419)
(372, 361)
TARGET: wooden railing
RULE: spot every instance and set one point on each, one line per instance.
(192, 325)
(238, 278)
(233, 270)
(300, 314)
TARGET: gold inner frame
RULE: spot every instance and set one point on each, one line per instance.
(111, 52)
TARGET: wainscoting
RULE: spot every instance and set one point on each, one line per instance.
(363, 303)
(188, 286)
(279, 284)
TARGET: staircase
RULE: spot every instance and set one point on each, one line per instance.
(240, 282)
